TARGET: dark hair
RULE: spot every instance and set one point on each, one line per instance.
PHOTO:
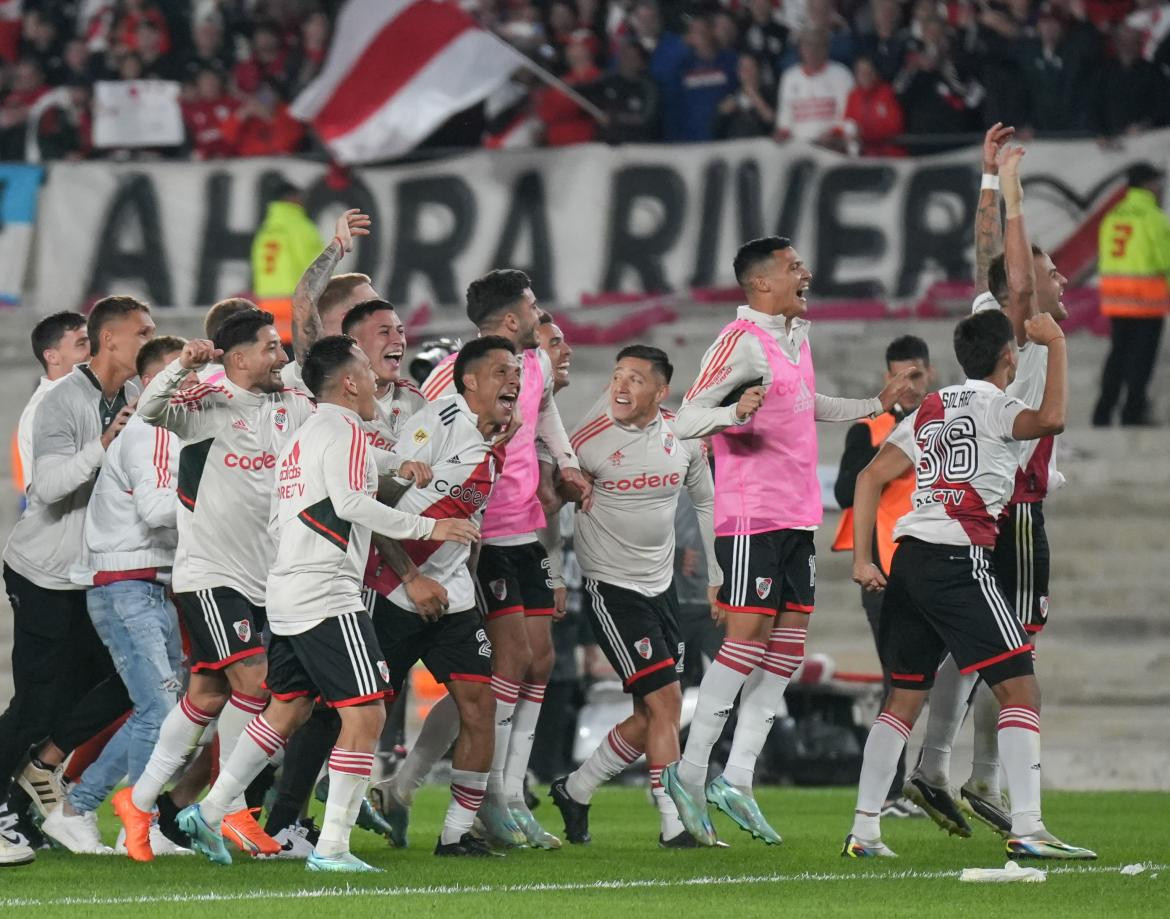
(495, 291)
(656, 356)
(907, 348)
(474, 351)
(750, 255)
(241, 328)
(48, 333)
(105, 311)
(338, 290)
(546, 318)
(363, 310)
(325, 358)
(979, 341)
(155, 350)
(219, 313)
(997, 279)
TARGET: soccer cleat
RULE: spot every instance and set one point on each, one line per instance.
(367, 818)
(204, 839)
(575, 815)
(137, 824)
(242, 829)
(902, 808)
(683, 840)
(938, 804)
(44, 787)
(14, 851)
(159, 843)
(1045, 845)
(536, 835)
(468, 845)
(166, 812)
(498, 826)
(742, 808)
(76, 832)
(692, 814)
(294, 842)
(866, 848)
(345, 862)
(393, 812)
(976, 799)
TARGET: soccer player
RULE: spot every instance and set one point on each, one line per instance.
(1022, 281)
(625, 547)
(232, 433)
(323, 643)
(462, 438)
(59, 342)
(130, 541)
(862, 443)
(767, 503)
(64, 681)
(515, 590)
(560, 354)
(942, 595)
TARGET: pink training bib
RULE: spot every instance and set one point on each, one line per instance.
(513, 507)
(766, 470)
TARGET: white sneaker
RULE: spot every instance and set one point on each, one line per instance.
(13, 851)
(79, 833)
(45, 787)
(159, 843)
(294, 842)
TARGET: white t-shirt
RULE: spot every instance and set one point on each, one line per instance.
(809, 104)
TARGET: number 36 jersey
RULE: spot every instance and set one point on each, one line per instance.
(965, 462)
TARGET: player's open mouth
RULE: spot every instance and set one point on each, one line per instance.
(621, 400)
(802, 293)
(508, 400)
(394, 356)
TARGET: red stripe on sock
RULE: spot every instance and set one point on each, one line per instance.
(194, 713)
(253, 704)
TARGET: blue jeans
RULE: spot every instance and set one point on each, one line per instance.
(137, 622)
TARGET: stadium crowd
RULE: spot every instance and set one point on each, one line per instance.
(879, 77)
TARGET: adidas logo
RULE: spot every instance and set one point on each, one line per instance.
(294, 455)
(239, 425)
(723, 713)
(804, 400)
(455, 459)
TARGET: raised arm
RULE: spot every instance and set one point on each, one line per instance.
(1049, 418)
(306, 321)
(1017, 250)
(988, 229)
(187, 413)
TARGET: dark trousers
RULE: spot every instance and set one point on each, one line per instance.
(872, 604)
(64, 680)
(1130, 364)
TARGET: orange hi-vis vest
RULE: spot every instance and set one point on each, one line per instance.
(1134, 258)
(893, 504)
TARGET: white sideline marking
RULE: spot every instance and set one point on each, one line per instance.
(455, 889)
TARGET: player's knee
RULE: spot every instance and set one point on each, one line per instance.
(208, 698)
(664, 705)
(512, 660)
(1021, 690)
(905, 704)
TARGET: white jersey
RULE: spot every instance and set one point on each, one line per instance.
(809, 104)
(323, 512)
(231, 438)
(24, 429)
(627, 536)
(444, 435)
(960, 440)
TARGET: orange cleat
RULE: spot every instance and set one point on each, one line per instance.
(242, 829)
(137, 823)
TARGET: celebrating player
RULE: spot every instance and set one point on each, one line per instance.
(767, 502)
(323, 642)
(625, 547)
(942, 594)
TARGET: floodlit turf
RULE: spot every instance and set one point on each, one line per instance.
(623, 872)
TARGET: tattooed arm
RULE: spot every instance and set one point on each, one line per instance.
(306, 321)
(428, 595)
(988, 230)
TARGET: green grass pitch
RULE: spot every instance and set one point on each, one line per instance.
(624, 873)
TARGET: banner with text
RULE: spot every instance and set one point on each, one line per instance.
(580, 220)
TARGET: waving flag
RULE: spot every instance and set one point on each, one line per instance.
(396, 70)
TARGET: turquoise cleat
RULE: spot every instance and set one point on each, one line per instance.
(499, 828)
(345, 862)
(692, 814)
(204, 839)
(536, 835)
(394, 812)
(742, 808)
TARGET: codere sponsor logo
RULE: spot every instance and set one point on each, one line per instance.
(467, 493)
(643, 481)
(250, 463)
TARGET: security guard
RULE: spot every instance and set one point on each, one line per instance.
(285, 245)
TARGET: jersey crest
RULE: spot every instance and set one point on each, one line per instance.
(280, 419)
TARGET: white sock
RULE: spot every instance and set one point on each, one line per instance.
(520, 743)
(884, 745)
(948, 707)
(258, 746)
(233, 719)
(985, 757)
(727, 673)
(762, 694)
(610, 758)
(349, 777)
(1019, 745)
(467, 791)
(177, 736)
(439, 731)
(507, 692)
(669, 823)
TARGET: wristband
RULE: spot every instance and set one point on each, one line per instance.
(989, 182)
(341, 245)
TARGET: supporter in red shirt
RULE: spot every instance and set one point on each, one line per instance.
(872, 113)
(133, 13)
(205, 115)
(268, 61)
(565, 122)
(262, 126)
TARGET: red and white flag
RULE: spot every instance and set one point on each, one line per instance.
(396, 70)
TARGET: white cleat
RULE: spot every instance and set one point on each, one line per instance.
(294, 842)
(77, 833)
